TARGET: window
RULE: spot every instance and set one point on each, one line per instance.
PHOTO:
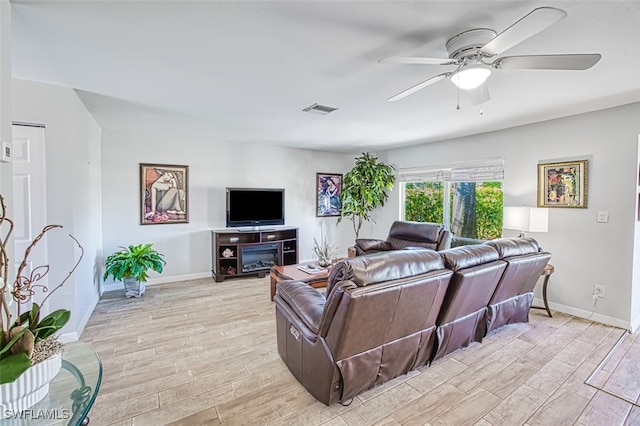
(466, 198)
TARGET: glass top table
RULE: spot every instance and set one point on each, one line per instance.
(71, 393)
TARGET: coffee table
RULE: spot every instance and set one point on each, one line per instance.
(291, 272)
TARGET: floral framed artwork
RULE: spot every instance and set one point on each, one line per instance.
(563, 184)
(328, 191)
(164, 194)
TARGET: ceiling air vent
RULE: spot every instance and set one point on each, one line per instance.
(319, 109)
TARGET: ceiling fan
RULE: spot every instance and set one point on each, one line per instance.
(474, 53)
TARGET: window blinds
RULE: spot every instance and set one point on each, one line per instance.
(476, 171)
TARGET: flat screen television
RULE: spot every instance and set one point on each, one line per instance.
(255, 207)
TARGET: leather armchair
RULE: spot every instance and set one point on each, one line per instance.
(512, 299)
(376, 321)
(404, 235)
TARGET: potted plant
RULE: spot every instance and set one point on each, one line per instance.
(30, 353)
(323, 249)
(131, 264)
(364, 188)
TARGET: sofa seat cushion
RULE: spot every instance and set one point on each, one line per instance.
(304, 300)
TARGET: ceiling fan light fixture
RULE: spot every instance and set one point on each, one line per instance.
(471, 76)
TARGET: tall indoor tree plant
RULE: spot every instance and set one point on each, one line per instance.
(364, 188)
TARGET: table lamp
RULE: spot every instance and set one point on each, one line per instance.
(526, 219)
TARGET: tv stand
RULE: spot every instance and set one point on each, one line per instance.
(241, 252)
(254, 229)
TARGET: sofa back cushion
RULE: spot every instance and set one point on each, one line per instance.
(477, 271)
(415, 234)
(384, 266)
(464, 257)
(525, 260)
(415, 231)
(368, 311)
(508, 247)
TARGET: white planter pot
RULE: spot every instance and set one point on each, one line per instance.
(28, 389)
(133, 288)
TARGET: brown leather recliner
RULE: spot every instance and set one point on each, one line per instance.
(476, 272)
(512, 299)
(376, 322)
(405, 234)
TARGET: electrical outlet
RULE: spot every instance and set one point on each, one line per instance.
(598, 291)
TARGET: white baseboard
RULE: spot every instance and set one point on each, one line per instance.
(604, 319)
(160, 280)
(75, 335)
(635, 324)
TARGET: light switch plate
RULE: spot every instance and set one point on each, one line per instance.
(603, 216)
(6, 152)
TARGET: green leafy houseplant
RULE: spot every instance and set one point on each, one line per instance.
(29, 339)
(364, 188)
(133, 262)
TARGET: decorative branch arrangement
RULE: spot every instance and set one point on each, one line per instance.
(323, 249)
(29, 339)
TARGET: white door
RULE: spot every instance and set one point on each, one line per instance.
(29, 197)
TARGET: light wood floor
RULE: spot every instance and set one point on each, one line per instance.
(204, 353)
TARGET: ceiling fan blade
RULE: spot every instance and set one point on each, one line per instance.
(419, 86)
(415, 60)
(548, 62)
(531, 24)
(479, 95)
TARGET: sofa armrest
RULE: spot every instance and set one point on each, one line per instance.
(305, 301)
(369, 244)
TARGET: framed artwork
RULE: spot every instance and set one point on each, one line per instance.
(563, 184)
(328, 191)
(164, 194)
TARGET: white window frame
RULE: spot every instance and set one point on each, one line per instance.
(487, 170)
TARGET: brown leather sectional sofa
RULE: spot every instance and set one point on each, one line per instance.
(385, 314)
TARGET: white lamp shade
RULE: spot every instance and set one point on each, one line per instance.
(471, 76)
(526, 219)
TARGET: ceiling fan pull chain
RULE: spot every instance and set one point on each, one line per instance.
(458, 94)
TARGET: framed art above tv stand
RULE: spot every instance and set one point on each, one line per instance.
(236, 252)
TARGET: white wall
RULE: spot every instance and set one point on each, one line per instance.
(6, 179)
(6, 170)
(73, 191)
(213, 166)
(635, 294)
(585, 253)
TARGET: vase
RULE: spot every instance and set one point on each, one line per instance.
(30, 387)
(323, 262)
(133, 287)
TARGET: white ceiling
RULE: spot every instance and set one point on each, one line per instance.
(242, 71)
